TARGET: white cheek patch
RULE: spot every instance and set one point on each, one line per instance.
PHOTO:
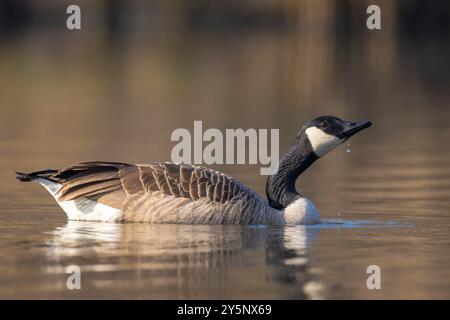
(322, 142)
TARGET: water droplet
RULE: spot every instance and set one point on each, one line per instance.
(348, 147)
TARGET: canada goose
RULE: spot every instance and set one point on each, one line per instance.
(163, 192)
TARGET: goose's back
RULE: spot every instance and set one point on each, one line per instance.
(165, 192)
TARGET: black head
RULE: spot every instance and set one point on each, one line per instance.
(316, 138)
(327, 132)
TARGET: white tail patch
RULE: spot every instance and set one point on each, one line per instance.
(82, 209)
(52, 187)
(88, 210)
(321, 142)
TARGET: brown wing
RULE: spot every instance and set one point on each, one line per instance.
(111, 183)
(93, 180)
(184, 181)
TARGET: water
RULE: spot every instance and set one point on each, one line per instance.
(386, 203)
(394, 213)
(348, 150)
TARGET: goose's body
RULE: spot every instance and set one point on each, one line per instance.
(164, 192)
(160, 193)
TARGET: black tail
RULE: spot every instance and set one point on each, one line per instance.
(25, 177)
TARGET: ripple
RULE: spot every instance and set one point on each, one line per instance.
(353, 224)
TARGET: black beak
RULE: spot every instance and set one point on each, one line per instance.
(350, 128)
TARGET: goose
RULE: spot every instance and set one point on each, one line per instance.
(164, 192)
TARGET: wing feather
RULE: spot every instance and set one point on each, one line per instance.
(114, 183)
(88, 179)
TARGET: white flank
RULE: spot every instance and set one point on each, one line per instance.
(301, 211)
(82, 209)
(321, 142)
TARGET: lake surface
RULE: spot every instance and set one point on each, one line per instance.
(384, 203)
(388, 211)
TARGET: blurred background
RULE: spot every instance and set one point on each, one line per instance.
(137, 70)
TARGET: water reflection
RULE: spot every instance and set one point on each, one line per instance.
(184, 255)
(78, 238)
(288, 251)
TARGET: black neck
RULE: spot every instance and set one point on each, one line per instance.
(280, 187)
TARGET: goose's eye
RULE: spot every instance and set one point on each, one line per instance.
(324, 124)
